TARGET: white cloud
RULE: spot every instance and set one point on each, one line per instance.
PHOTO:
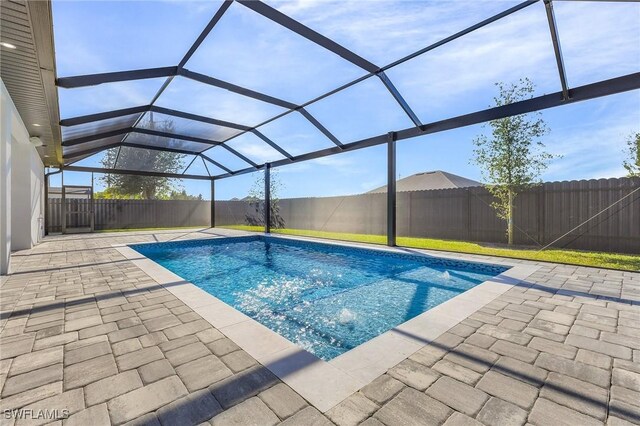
(599, 40)
(254, 148)
(593, 146)
(382, 31)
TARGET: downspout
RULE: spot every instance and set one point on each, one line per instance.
(46, 199)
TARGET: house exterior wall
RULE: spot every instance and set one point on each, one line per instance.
(5, 179)
(27, 182)
(21, 184)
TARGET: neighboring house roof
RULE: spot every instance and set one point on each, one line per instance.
(429, 180)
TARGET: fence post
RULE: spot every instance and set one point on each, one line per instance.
(267, 198)
(391, 189)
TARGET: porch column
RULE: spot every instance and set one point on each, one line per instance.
(267, 198)
(391, 189)
(46, 204)
(213, 203)
(5, 181)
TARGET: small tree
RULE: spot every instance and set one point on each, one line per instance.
(513, 158)
(256, 201)
(632, 163)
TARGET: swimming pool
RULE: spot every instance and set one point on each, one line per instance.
(326, 298)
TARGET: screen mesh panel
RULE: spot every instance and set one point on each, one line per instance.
(363, 110)
(248, 72)
(599, 40)
(240, 202)
(202, 99)
(104, 159)
(228, 159)
(295, 134)
(337, 205)
(107, 97)
(97, 127)
(71, 150)
(204, 167)
(248, 49)
(457, 77)
(432, 198)
(164, 142)
(113, 36)
(151, 160)
(254, 148)
(382, 30)
(188, 127)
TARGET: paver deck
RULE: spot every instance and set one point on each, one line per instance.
(85, 330)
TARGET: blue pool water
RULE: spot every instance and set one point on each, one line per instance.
(323, 297)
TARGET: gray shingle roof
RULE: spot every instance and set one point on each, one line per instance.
(429, 180)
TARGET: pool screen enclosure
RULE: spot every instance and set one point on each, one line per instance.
(205, 138)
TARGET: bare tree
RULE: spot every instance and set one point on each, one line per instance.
(256, 200)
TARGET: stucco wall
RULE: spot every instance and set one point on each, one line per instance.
(5, 179)
(21, 184)
(27, 210)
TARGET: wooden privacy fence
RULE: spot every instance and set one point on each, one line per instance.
(123, 214)
(542, 214)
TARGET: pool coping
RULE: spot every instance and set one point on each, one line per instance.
(324, 384)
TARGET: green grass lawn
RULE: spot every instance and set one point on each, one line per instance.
(574, 257)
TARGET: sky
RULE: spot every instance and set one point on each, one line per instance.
(599, 41)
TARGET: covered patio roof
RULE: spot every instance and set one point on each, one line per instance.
(202, 136)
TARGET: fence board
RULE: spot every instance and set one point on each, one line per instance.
(124, 214)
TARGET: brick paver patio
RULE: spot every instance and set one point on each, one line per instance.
(85, 330)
